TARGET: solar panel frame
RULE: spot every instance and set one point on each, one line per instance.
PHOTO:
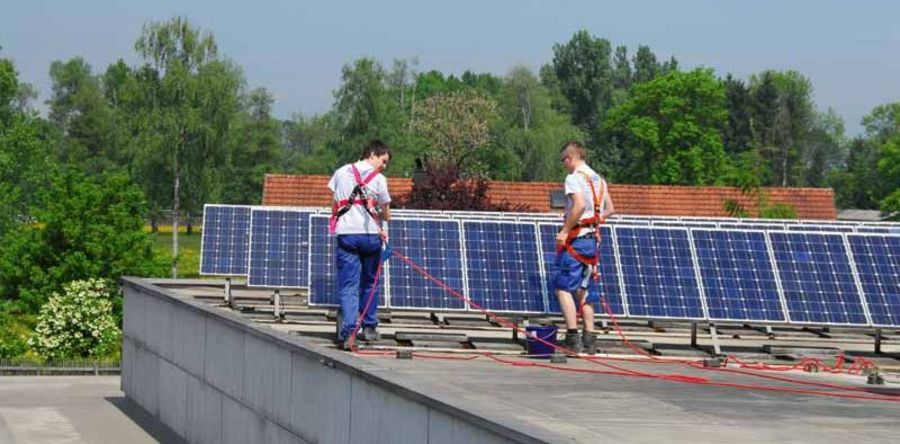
(751, 226)
(536, 288)
(892, 271)
(878, 230)
(822, 228)
(392, 265)
(302, 257)
(686, 224)
(708, 291)
(792, 319)
(632, 310)
(240, 270)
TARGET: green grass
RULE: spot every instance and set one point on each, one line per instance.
(188, 251)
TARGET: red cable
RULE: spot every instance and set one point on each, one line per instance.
(620, 371)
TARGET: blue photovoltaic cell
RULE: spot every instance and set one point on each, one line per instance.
(435, 246)
(503, 266)
(877, 261)
(827, 228)
(278, 248)
(225, 239)
(609, 275)
(658, 273)
(322, 268)
(816, 278)
(737, 275)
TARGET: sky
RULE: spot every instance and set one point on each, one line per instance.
(849, 50)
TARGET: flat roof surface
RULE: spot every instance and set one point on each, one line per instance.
(575, 401)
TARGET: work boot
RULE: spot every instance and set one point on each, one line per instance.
(370, 334)
(590, 342)
(573, 342)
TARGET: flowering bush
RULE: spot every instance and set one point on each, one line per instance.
(80, 323)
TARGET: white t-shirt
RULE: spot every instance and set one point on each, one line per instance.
(576, 183)
(358, 220)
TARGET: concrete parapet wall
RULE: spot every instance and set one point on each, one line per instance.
(213, 377)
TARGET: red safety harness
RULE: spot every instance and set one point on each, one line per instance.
(357, 197)
(593, 223)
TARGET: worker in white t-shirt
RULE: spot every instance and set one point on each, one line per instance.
(587, 205)
(361, 204)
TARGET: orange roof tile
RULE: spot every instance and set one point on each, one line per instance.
(653, 200)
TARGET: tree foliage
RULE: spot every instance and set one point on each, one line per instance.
(670, 130)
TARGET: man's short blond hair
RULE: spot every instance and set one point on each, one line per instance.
(576, 147)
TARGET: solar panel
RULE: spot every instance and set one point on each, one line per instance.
(658, 273)
(877, 260)
(750, 226)
(503, 266)
(822, 228)
(278, 248)
(435, 245)
(816, 278)
(738, 278)
(668, 223)
(322, 269)
(610, 285)
(225, 239)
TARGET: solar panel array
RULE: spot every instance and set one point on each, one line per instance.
(716, 269)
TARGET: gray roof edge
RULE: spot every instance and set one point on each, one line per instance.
(416, 390)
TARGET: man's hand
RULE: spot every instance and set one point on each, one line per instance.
(561, 238)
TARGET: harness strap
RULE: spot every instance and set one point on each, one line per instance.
(357, 197)
(592, 222)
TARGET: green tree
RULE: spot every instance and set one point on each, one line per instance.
(585, 77)
(785, 114)
(529, 132)
(71, 239)
(826, 150)
(309, 143)
(456, 127)
(883, 128)
(737, 135)
(188, 100)
(255, 148)
(26, 160)
(79, 111)
(670, 130)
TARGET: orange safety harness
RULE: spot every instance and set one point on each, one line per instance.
(593, 223)
(357, 197)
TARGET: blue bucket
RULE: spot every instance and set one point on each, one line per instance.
(537, 348)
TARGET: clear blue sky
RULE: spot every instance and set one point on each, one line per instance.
(850, 50)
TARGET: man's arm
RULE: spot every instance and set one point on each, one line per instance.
(608, 208)
(386, 212)
(574, 216)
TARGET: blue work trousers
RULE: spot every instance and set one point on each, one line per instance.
(358, 256)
